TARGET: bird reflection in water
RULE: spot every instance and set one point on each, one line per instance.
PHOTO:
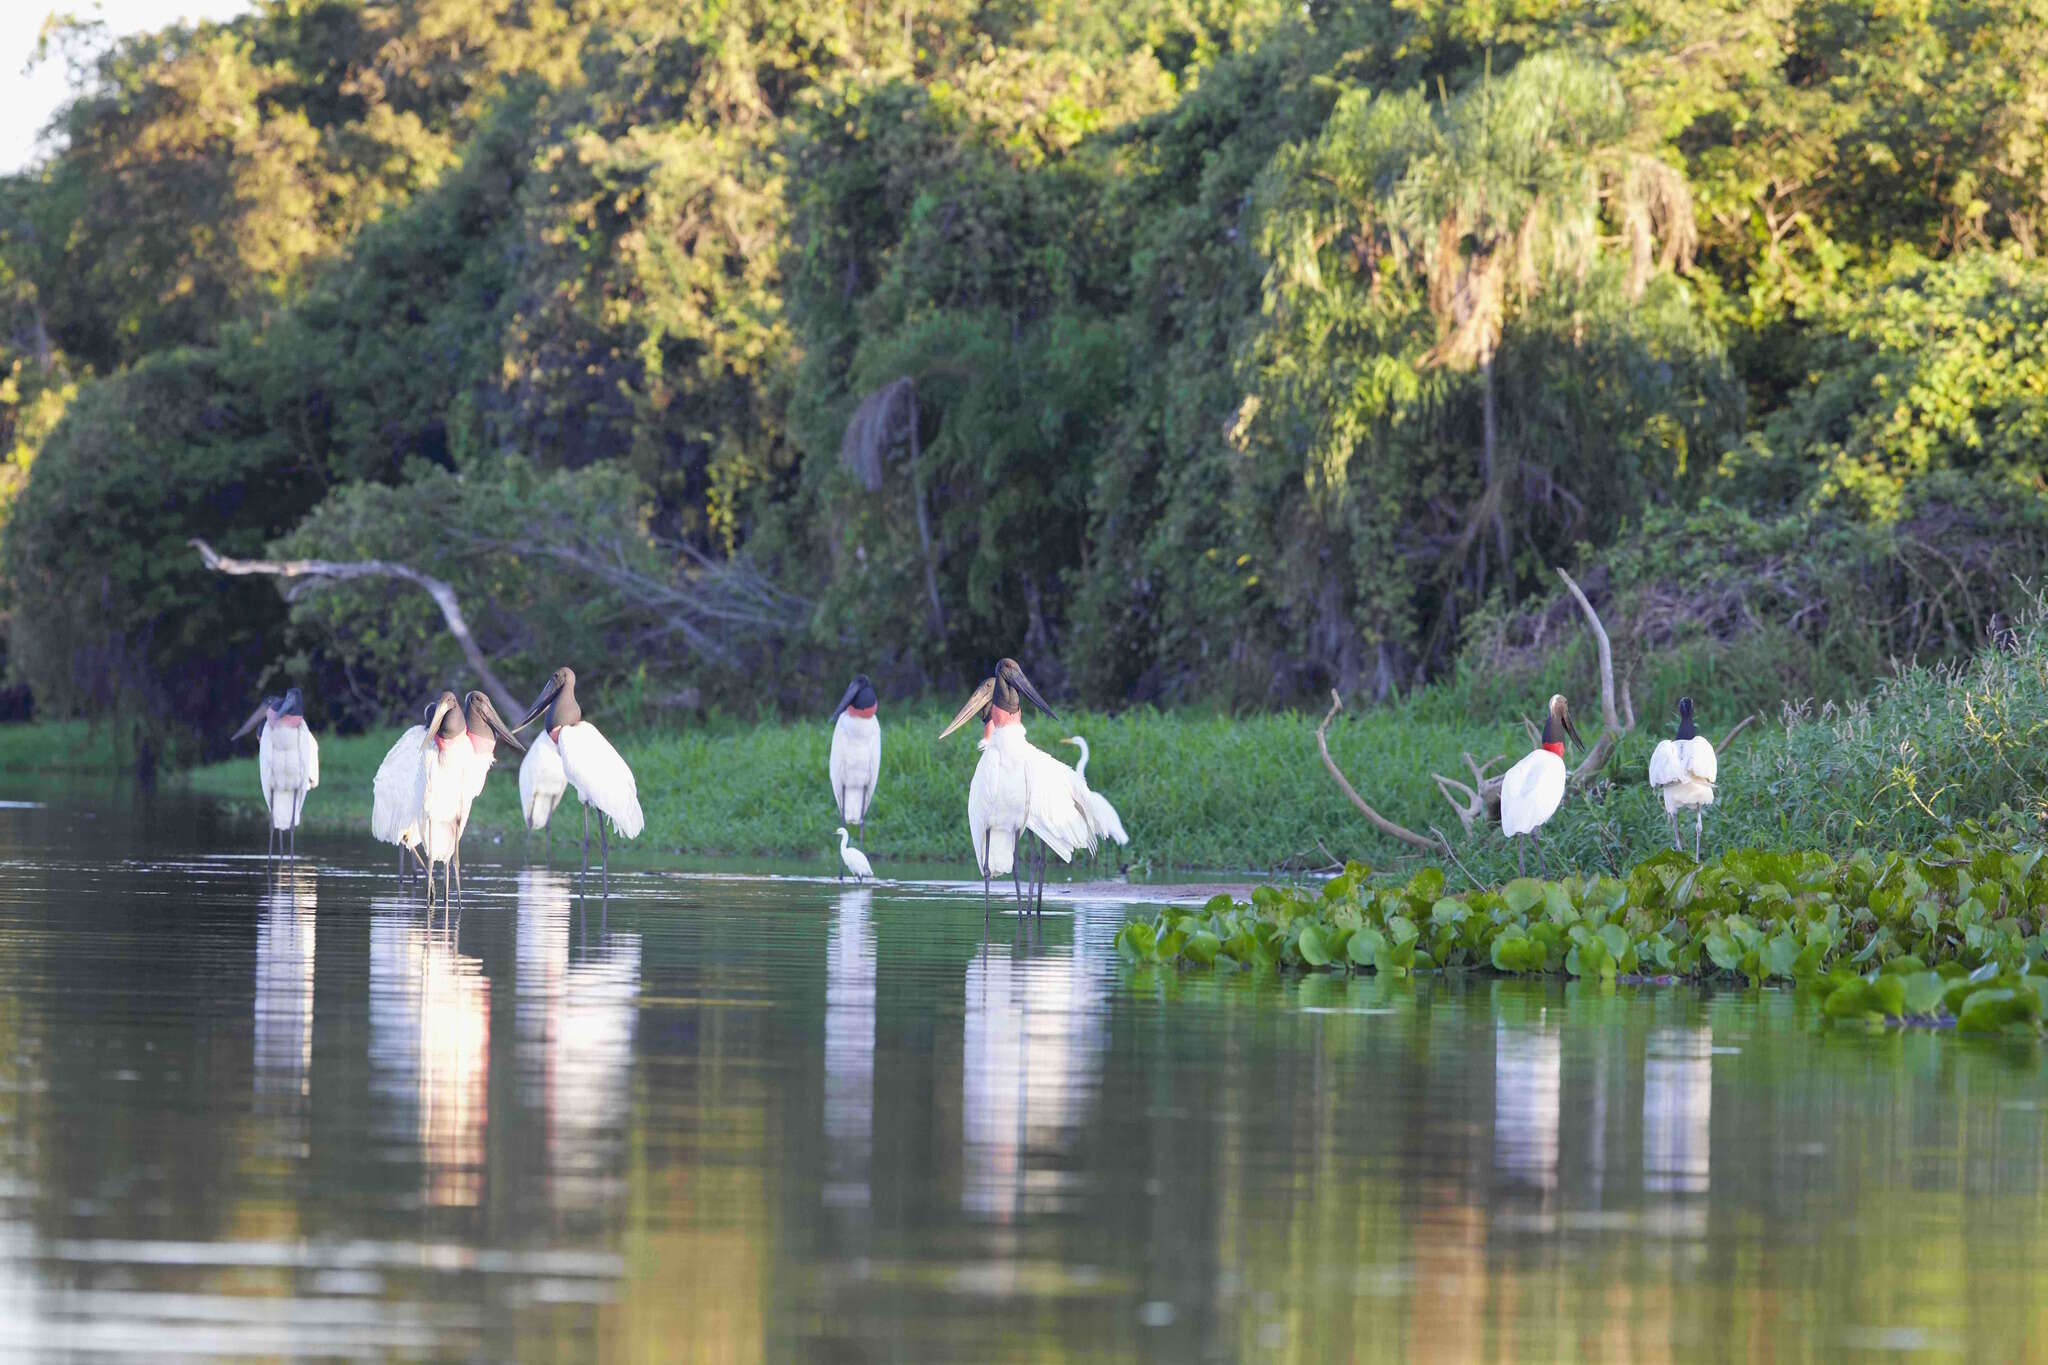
(284, 993)
(1033, 1039)
(1678, 1104)
(576, 1006)
(850, 1051)
(1528, 1065)
(430, 1048)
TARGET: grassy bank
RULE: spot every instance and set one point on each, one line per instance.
(1897, 770)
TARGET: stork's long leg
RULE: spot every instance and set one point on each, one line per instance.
(586, 839)
(1699, 821)
(547, 848)
(455, 870)
(984, 884)
(604, 844)
(1521, 861)
(1676, 842)
(1542, 866)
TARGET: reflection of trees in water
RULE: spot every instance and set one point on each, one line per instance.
(430, 1047)
(1033, 1039)
(284, 994)
(1678, 1101)
(850, 1051)
(576, 1008)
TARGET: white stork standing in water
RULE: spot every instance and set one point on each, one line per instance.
(855, 860)
(1102, 817)
(999, 799)
(394, 801)
(541, 785)
(1683, 771)
(591, 765)
(856, 760)
(1532, 789)
(287, 764)
(442, 784)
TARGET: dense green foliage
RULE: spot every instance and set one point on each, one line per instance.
(1222, 351)
(1953, 932)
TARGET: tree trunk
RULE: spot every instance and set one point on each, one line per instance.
(924, 527)
(1489, 438)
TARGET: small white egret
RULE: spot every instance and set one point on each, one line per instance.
(1532, 789)
(541, 785)
(287, 765)
(855, 860)
(1683, 771)
(1102, 817)
(592, 766)
(395, 792)
(999, 805)
(856, 760)
(1059, 814)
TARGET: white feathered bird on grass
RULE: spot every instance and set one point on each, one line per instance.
(1683, 770)
(999, 798)
(590, 764)
(1102, 817)
(1533, 788)
(542, 784)
(287, 765)
(855, 764)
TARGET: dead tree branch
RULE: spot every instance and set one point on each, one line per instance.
(1379, 822)
(1612, 728)
(1740, 726)
(343, 570)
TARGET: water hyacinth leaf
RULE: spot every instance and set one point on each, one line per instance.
(1890, 993)
(1401, 929)
(1923, 993)
(1365, 945)
(1905, 964)
(1310, 945)
(1995, 1007)
(1523, 894)
(1448, 911)
(1202, 946)
(1779, 954)
(1725, 952)
(1219, 904)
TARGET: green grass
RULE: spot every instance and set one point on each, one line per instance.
(1897, 770)
(61, 746)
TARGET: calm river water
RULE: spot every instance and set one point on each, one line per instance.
(750, 1119)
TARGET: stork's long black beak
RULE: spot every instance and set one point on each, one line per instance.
(852, 691)
(981, 698)
(1573, 730)
(1015, 677)
(547, 697)
(255, 718)
(498, 726)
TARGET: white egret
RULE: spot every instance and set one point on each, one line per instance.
(1683, 771)
(287, 765)
(855, 860)
(1532, 789)
(999, 805)
(1102, 817)
(592, 766)
(395, 792)
(541, 785)
(856, 760)
(1059, 814)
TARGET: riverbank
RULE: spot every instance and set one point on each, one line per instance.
(1898, 769)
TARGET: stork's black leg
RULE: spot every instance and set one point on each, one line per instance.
(604, 844)
(1542, 866)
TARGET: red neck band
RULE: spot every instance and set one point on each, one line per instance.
(556, 734)
(863, 712)
(483, 744)
(1556, 748)
(288, 720)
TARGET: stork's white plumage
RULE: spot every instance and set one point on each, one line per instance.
(1059, 804)
(1102, 817)
(395, 795)
(442, 790)
(855, 764)
(1000, 799)
(1532, 790)
(287, 764)
(590, 764)
(1684, 772)
(856, 861)
(541, 785)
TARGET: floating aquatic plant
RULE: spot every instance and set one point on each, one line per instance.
(1949, 934)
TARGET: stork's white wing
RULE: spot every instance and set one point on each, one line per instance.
(540, 775)
(266, 762)
(309, 752)
(1530, 792)
(601, 777)
(1667, 765)
(1701, 761)
(395, 793)
(1059, 808)
(1104, 819)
